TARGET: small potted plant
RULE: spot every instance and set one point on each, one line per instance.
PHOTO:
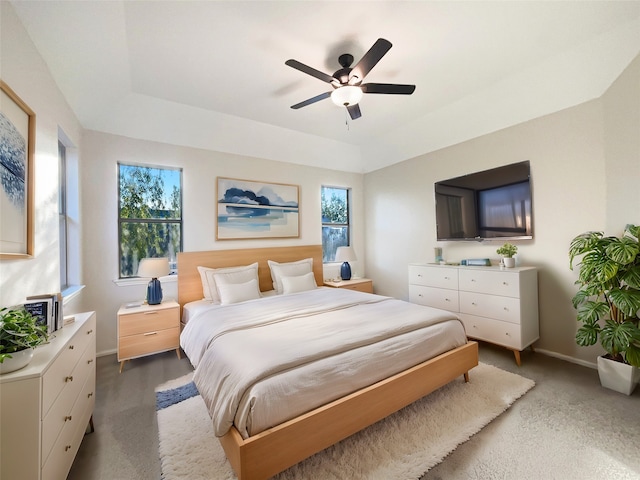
(19, 335)
(508, 251)
(608, 303)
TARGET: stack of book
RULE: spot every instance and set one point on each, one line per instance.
(47, 309)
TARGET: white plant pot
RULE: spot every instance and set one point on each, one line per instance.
(17, 361)
(509, 262)
(618, 376)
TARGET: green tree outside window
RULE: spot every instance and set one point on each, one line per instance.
(150, 215)
(335, 221)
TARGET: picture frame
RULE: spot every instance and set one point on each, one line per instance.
(17, 151)
(248, 209)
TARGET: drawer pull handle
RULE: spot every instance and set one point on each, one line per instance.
(505, 309)
(90, 361)
(89, 395)
(151, 313)
(68, 379)
(420, 295)
(71, 347)
(474, 304)
(420, 275)
(67, 418)
(90, 332)
(473, 279)
(150, 333)
(446, 278)
(67, 448)
(447, 300)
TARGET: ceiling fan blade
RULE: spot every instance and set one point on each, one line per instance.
(370, 59)
(390, 88)
(311, 71)
(354, 111)
(309, 101)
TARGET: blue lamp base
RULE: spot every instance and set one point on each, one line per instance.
(154, 292)
(345, 271)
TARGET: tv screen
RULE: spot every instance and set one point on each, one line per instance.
(490, 204)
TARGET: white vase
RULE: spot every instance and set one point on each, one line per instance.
(509, 262)
(618, 376)
(17, 361)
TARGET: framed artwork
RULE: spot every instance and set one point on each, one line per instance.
(17, 149)
(248, 209)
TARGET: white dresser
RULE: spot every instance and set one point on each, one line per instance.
(46, 406)
(495, 305)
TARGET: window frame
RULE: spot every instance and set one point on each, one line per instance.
(167, 221)
(63, 221)
(348, 194)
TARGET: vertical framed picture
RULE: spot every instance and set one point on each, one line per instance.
(248, 209)
(17, 150)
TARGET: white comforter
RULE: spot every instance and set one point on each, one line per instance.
(262, 362)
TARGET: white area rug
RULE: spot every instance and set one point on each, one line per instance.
(402, 446)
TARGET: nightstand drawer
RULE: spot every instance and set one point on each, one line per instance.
(149, 342)
(366, 287)
(144, 322)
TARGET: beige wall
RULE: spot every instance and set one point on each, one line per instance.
(23, 69)
(584, 169)
(102, 152)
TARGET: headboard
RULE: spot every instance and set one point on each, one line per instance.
(190, 285)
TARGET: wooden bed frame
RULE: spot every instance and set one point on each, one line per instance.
(276, 449)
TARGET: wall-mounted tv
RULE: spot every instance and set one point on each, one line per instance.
(490, 204)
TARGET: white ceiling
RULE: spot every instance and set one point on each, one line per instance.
(211, 74)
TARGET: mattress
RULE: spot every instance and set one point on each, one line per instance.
(262, 362)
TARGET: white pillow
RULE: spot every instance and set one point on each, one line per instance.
(299, 283)
(231, 275)
(290, 269)
(238, 292)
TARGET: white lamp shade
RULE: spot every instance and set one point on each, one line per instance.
(153, 267)
(345, 254)
(347, 95)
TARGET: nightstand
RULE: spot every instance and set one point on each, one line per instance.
(148, 329)
(359, 284)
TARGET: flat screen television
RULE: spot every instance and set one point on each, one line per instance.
(484, 205)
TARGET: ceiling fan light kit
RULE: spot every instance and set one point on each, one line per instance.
(347, 95)
(347, 82)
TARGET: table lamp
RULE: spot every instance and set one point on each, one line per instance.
(153, 268)
(345, 255)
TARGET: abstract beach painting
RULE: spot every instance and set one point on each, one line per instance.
(250, 209)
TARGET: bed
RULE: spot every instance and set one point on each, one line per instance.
(258, 445)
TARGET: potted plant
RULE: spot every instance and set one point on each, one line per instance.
(608, 302)
(19, 334)
(508, 251)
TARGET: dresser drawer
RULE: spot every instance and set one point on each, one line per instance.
(58, 376)
(66, 445)
(438, 277)
(144, 322)
(502, 308)
(494, 331)
(493, 283)
(434, 297)
(59, 415)
(149, 342)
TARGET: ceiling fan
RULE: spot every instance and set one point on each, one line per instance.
(347, 82)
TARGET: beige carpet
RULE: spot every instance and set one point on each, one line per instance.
(402, 446)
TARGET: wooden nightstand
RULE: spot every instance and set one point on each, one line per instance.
(359, 284)
(148, 329)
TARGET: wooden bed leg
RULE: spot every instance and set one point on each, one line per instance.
(466, 377)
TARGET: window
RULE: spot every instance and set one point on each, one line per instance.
(63, 229)
(149, 215)
(335, 221)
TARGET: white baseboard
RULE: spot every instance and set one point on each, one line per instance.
(104, 353)
(568, 358)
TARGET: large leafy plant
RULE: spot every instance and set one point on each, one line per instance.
(19, 331)
(608, 301)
